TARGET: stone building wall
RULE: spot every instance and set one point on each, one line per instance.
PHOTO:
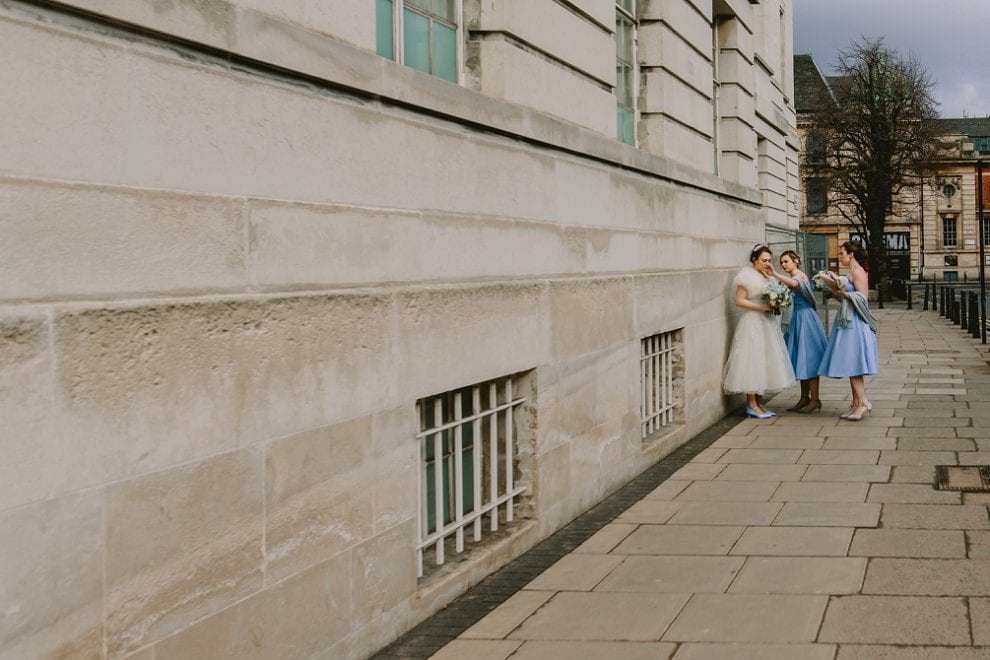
(238, 246)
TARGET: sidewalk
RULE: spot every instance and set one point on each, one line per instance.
(801, 537)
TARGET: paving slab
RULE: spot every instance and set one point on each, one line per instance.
(748, 618)
(673, 574)
(680, 540)
(934, 444)
(896, 620)
(811, 491)
(762, 473)
(728, 491)
(913, 474)
(788, 442)
(828, 514)
(536, 650)
(935, 516)
(652, 512)
(506, 617)
(607, 538)
(726, 513)
(692, 651)
(477, 649)
(922, 543)
(923, 458)
(603, 616)
(979, 615)
(839, 457)
(869, 473)
(881, 652)
(978, 544)
(794, 541)
(846, 442)
(928, 577)
(767, 456)
(668, 490)
(800, 575)
(698, 472)
(912, 494)
(575, 572)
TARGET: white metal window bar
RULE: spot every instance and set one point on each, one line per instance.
(656, 370)
(467, 456)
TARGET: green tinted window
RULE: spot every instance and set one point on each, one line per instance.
(384, 29)
(444, 52)
(416, 40)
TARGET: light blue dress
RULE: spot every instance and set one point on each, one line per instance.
(805, 338)
(852, 350)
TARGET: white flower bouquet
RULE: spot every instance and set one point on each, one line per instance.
(778, 297)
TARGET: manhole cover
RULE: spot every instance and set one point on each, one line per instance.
(968, 478)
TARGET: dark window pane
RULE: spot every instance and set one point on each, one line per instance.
(384, 29)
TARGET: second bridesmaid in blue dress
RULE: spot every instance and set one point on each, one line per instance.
(805, 336)
(852, 348)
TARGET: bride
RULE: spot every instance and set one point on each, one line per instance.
(758, 359)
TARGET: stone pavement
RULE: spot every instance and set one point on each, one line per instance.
(801, 537)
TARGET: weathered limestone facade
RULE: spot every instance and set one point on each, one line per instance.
(238, 246)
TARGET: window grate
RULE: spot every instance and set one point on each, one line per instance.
(468, 451)
(659, 368)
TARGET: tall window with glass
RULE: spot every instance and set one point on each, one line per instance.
(625, 70)
(421, 34)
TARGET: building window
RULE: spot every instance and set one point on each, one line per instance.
(950, 237)
(625, 70)
(661, 378)
(950, 275)
(986, 229)
(468, 464)
(816, 197)
(422, 34)
(814, 147)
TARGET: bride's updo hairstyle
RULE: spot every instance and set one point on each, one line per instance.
(855, 248)
(759, 249)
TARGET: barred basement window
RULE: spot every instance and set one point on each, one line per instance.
(661, 377)
(469, 477)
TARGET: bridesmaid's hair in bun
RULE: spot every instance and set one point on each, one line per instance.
(793, 255)
(758, 249)
(855, 248)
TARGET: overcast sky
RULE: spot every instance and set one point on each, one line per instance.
(950, 37)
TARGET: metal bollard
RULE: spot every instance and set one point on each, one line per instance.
(963, 308)
(974, 314)
(942, 311)
(910, 296)
(924, 307)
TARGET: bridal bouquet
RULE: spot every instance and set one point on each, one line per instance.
(778, 297)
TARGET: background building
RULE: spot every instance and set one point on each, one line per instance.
(932, 230)
(286, 284)
(950, 211)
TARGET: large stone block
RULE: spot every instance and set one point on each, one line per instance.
(457, 336)
(67, 241)
(662, 136)
(31, 469)
(319, 495)
(396, 453)
(180, 545)
(352, 21)
(588, 315)
(509, 73)
(574, 40)
(691, 20)
(661, 46)
(669, 95)
(146, 387)
(299, 617)
(51, 569)
(383, 572)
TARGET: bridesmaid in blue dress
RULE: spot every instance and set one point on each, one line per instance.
(805, 336)
(852, 348)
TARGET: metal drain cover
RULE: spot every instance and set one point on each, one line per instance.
(966, 478)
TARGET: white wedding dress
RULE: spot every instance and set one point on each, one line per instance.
(758, 359)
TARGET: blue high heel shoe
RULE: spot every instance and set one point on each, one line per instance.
(758, 415)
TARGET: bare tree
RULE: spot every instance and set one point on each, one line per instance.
(876, 124)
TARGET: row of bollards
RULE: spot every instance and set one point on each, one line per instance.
(960, 307)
